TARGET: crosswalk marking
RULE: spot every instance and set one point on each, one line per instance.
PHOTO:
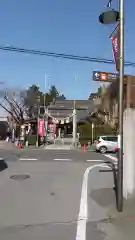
(28, 159)
(58, 148)
(70, 159)
(62, 159)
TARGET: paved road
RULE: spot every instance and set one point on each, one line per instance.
(51, 155)
(60, 199)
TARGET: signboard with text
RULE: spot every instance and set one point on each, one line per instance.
(105, 76)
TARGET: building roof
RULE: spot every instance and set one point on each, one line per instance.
(64, 108)
(65, 104)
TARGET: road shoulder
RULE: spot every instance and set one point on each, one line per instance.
(121, 225)
(101, 197)
(104, 221)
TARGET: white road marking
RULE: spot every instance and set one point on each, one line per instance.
(111, 157)
(95, 161)
(83, 212)
(57, 148)
(62, 159)
(61, 149)
(28, 159)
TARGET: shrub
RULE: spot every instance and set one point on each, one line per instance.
(86, 132)
(31, 139)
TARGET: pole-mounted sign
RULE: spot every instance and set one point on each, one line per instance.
(105, 76)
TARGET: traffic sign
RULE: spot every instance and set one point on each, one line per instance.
(105, 76)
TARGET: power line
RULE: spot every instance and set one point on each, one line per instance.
(61, 55)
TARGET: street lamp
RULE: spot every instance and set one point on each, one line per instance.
(109, 17)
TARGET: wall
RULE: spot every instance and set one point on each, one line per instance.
(129, 153)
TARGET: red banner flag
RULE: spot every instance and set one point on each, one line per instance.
(115, 37)
(41, 127)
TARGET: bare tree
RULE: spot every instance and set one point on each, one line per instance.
(11, 102)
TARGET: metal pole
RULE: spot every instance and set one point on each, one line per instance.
(121, 84)
(45, 133)
(45, 94)
(74, 99)
(74, 121)
(92, 126)
(74, 127)
(37, 123)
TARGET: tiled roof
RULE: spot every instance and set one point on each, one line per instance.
(64, 108)
(70, 103)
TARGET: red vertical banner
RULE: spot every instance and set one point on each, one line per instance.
(41, 127)
(116, 47)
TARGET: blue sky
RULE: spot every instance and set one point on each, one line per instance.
(59, 26)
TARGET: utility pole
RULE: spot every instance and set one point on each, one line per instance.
(38, 113)
(45, 128)
(121, 84)
(92, 129)
(74, 121)
(37, 124)
(109, 17)
(45, 92)
(74, 127)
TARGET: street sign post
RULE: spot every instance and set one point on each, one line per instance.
(105, 76)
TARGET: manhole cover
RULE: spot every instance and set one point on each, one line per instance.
(20, 177)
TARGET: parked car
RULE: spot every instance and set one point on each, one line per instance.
(106, 144)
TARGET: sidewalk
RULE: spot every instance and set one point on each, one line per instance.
(6, 145)
(111, 224)
(120, 226)
(116, 225)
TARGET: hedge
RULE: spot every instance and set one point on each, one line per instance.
(86, 132)
(31, 139)
(85, 140)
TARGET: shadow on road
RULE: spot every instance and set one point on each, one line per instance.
(3, 165)
(103, 197)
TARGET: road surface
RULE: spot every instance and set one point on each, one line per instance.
(52, 155)
(64, 196)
